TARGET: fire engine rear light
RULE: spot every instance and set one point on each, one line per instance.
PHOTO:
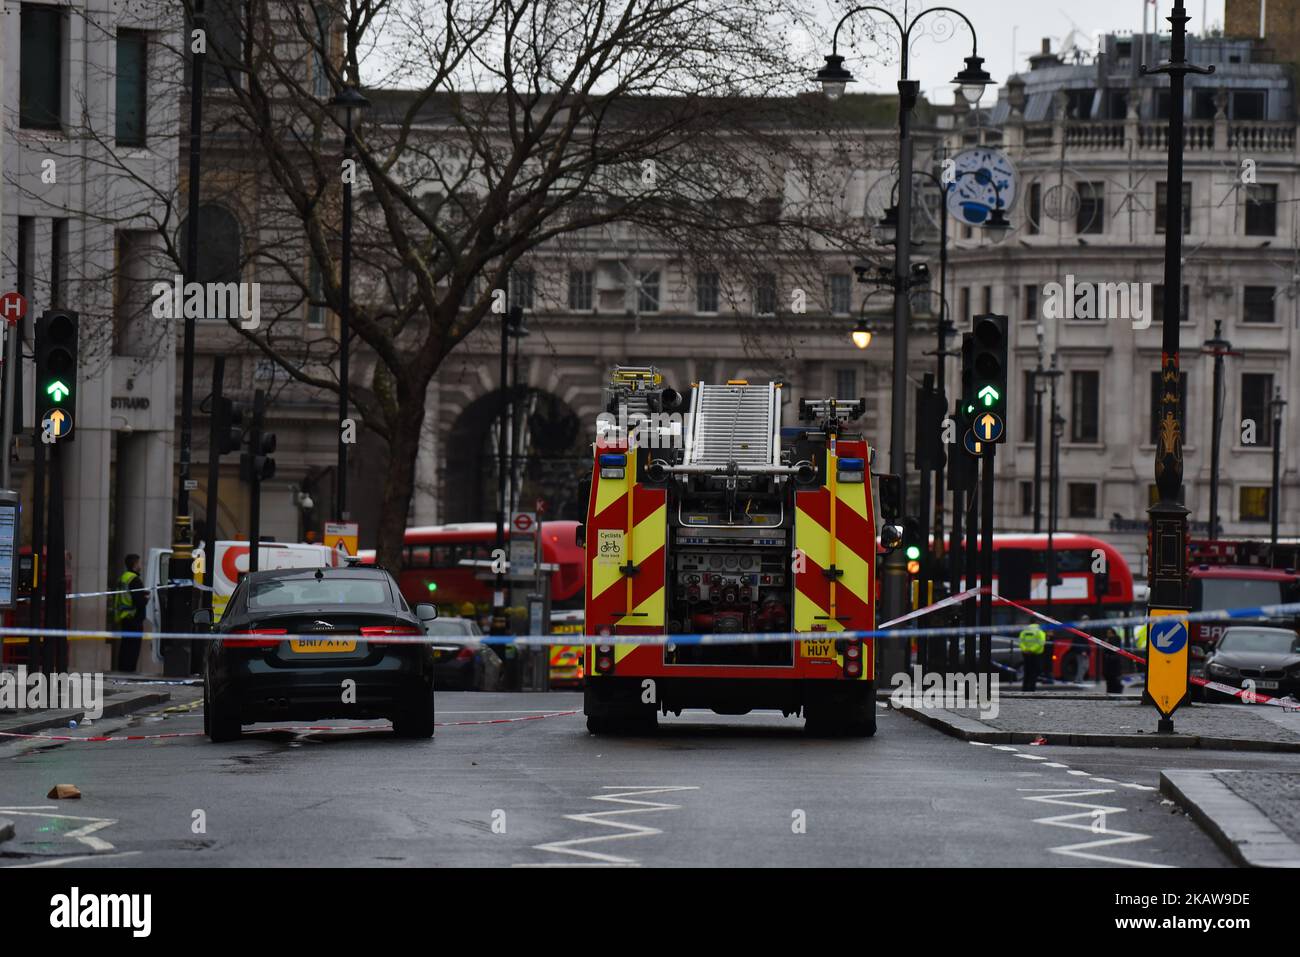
(852, 659)
(853, 668)
(850, 470)
(604, 659)
(613, 465)
(254, 642)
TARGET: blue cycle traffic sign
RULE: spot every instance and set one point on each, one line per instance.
(1169, 637)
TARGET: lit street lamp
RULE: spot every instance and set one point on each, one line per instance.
(862, 334)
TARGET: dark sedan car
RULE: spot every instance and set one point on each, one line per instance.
(1268, 657)
(309, 643)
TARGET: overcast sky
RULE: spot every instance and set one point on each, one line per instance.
(1024, 23)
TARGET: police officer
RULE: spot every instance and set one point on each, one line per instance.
(1032, 643)
(1140, 633)
(128, 612)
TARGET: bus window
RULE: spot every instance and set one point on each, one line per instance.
(441, 556)
(417, 556)
(1220, 593)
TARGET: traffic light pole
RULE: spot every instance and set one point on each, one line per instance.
(55, 652)
(35, 653)
(255, 502)
(986, 560)
(216, 425)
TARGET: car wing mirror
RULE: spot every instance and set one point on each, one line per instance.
(426, 612)
(202, 619)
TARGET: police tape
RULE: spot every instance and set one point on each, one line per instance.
(1246, 695)
(730, 638)
(293, 729)
(123, 591)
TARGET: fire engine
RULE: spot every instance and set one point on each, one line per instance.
(718, 522)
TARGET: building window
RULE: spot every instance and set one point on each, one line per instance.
(1254, 503)
(1085, 398)
(315, 295)
(1258, 304)
(1083, 499)
(23, 254)
(132, 83)
(765, 294)
(706, 292)
(1162, 207)
(523, 286)
(1035, 215)
(221, 245)
(1026, 498)
(647, 291)
(40, 67)
(59, 263)
(841, 294)
(1032, 309)
(226, 42)
(1158, 304)
(580, 289)
(1261, 210)
(846, 384)
(963, 305)
(1153, 435)
(1091, 217)
(1256, 393)
(1247, 105)
(320, 55)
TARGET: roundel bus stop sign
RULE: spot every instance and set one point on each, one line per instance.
(1167, 660)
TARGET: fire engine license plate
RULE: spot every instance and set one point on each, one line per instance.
(1266, 685)
(822, 648)
(322, 646)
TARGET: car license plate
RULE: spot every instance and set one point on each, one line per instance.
(818, 649)
(322, 646)
(1266, 685)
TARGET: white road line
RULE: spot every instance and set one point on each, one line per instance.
(1087, 820)
(1004, 747)
(57, 861)
(1103, 780)
(1072, 771)
(1032, 757)
(627, 794)
(1055, 764)
(85, 834)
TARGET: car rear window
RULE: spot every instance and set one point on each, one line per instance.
(438, 627)
(279, 593)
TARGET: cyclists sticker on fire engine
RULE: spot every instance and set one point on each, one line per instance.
(609, 546)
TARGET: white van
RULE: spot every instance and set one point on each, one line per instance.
(225, 567)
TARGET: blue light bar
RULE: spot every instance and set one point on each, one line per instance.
(613, 459)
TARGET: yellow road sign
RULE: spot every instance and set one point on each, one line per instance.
(342, 536)
(1168, 650)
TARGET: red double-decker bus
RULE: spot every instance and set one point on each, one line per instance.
(1092, 578)
(432, 569)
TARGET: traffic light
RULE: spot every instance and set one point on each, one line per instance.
(913, 545)
(256, 464)
(56, 373)
(230, 426)
(989, 367)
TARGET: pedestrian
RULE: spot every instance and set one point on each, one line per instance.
(128, 613)
(1112, 666)
(1032, 643)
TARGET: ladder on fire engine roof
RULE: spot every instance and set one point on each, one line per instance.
(735, 423)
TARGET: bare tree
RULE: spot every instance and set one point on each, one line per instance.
(501, 129)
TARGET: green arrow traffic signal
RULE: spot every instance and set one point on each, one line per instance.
(988, 395)
(58, 390)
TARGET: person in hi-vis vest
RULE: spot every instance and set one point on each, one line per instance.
(1032, 643)
(128, 612)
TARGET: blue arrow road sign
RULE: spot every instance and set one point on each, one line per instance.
(988, 427)
(973, 445)
(1169, 636)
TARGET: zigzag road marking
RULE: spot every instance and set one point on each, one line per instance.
(1058, 795)
(626, 795)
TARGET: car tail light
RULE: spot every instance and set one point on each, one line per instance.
(465, 654)
(254, 642)
(376, 633)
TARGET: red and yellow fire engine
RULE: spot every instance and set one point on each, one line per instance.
(707, 519)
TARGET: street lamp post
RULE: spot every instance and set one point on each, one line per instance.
(1217, 347)
(180, 601)
(1053, 478)
(346, 103)
(970, 82)
(1275, 506)
(1168, 530)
